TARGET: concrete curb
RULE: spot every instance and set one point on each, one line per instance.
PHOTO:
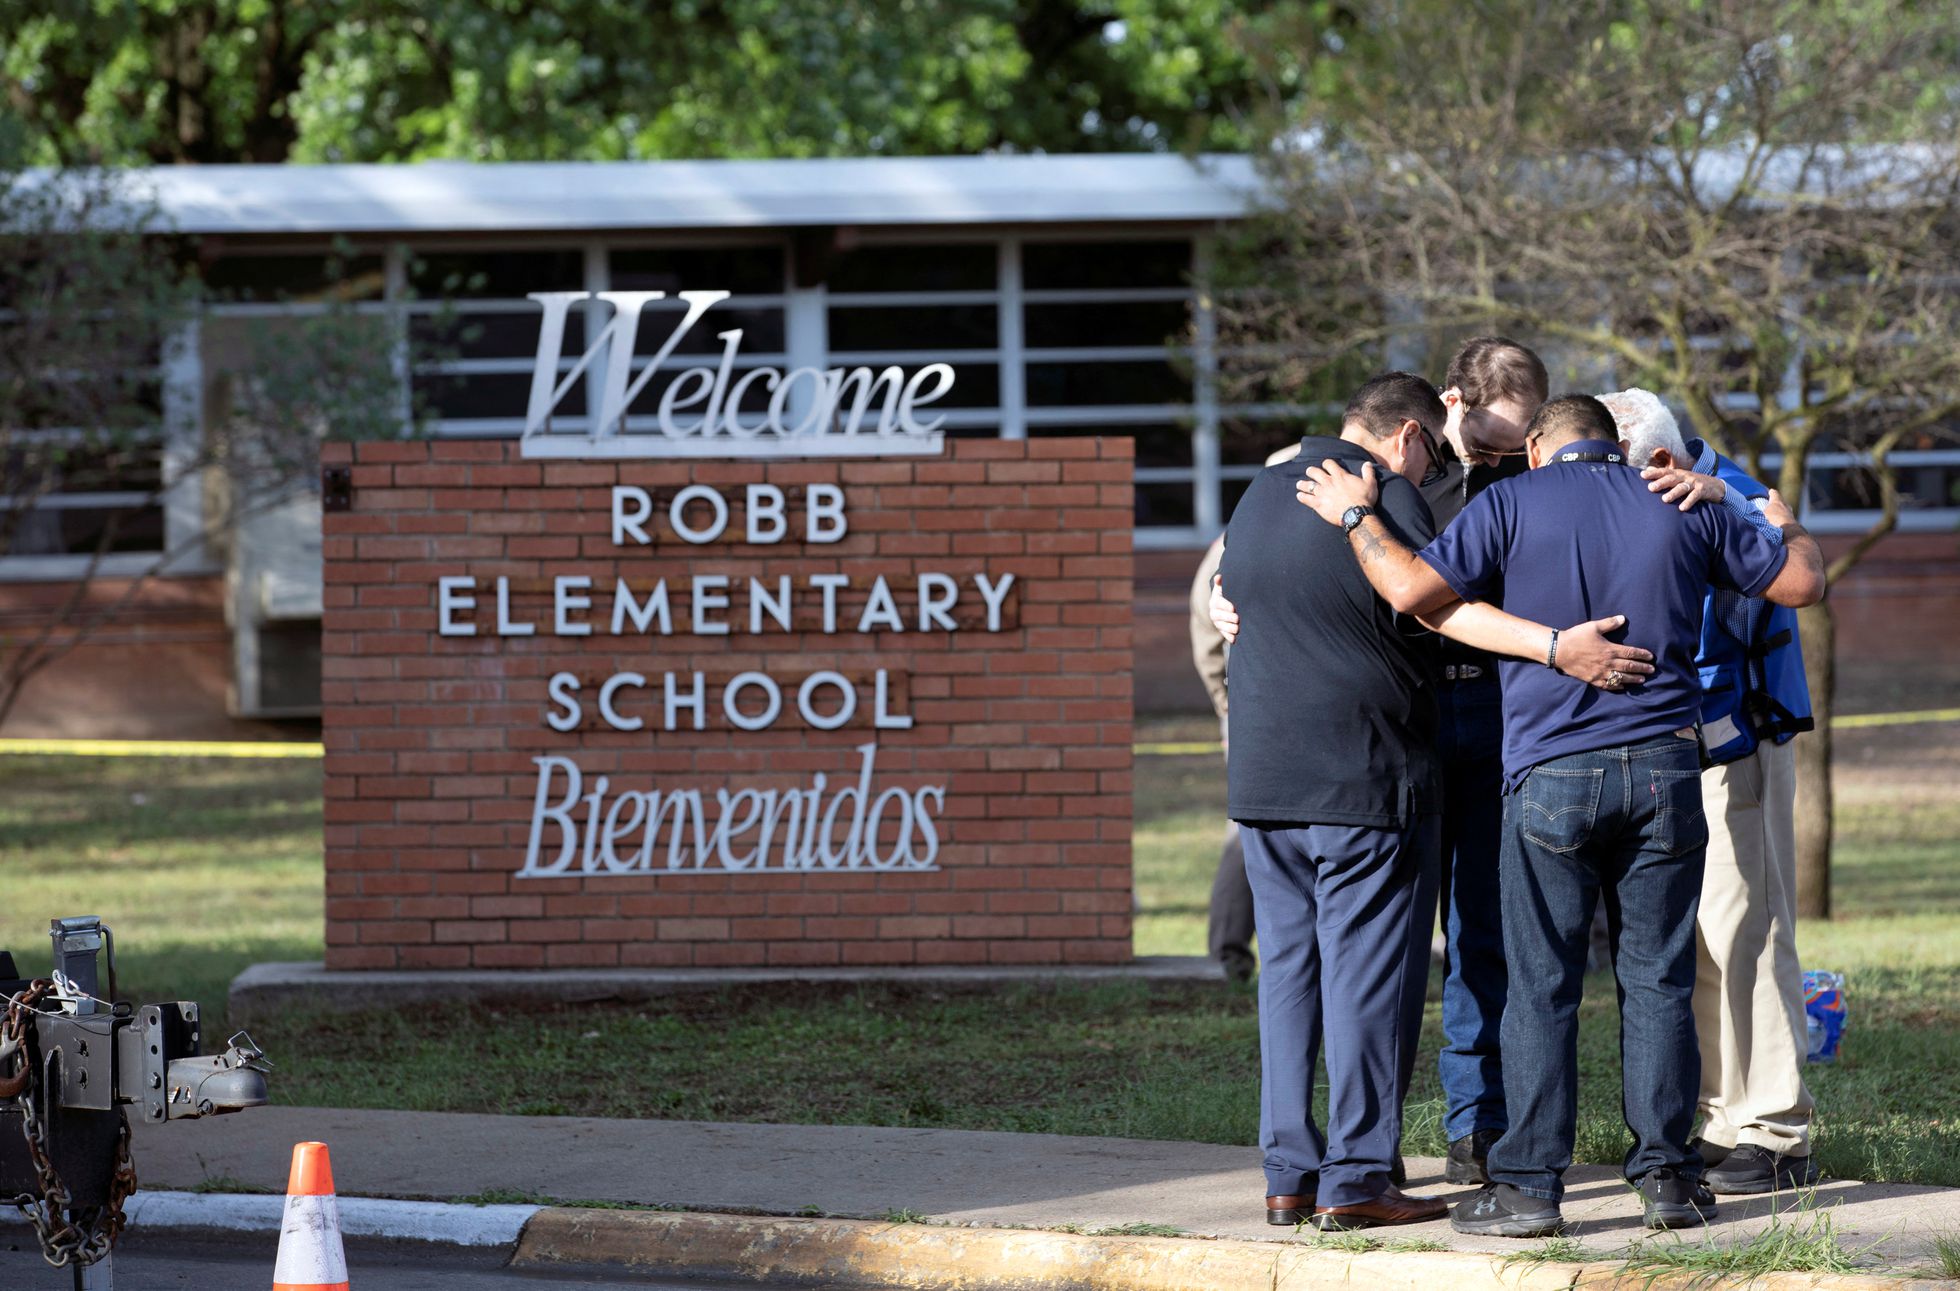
(939, 1258)
(445, 1222)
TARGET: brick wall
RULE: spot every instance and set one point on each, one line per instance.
(431, 783)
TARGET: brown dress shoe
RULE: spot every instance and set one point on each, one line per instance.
(1288, 1212)
(1392, 1207)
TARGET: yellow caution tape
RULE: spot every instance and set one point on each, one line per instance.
(163, 748)
(293, 749)
(1896, 719)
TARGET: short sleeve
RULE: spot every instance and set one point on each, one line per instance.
(1469, 555)
(1745, 558)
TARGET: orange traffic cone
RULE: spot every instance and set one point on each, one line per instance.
(310, 1254)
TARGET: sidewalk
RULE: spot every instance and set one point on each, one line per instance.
(958, 1177)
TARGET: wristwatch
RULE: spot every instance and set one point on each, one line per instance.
(1354, 516)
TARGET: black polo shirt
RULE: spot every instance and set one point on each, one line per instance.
(1333, 695)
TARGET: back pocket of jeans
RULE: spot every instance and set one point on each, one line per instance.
(1560, 807)
(1680, 825)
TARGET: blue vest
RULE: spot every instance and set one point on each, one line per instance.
(1751, 663)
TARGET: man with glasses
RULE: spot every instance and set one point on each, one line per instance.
(1335, 785)
(1604, 789)
(1493, 387)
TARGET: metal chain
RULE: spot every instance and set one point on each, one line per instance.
(67, 1235)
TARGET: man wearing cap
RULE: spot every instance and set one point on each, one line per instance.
(1603, 790)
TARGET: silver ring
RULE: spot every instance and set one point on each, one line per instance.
(1309, 486)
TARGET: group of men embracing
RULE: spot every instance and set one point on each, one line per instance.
(1427, 691)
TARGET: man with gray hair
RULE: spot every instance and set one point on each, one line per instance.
(1748, 1000)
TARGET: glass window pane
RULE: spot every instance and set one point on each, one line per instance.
(488, 395)
(495, 275)
(294, 278)
(1168, 504)
(1249, 442)
(952, 327)
(492, 336)
(77, 531)
(1047, 265)
(745, 270)
(1159, 445)
(1056, 385)
(963, 267)
(1151, 322)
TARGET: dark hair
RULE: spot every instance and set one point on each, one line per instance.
(1382, 404)
(1570, 417)
(1489, 368)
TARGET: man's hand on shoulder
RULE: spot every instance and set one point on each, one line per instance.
(1224, 615)
(1777, 511)
(1330, 490)
(1678, 484)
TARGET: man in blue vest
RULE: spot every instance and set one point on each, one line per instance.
(1603, 787)
(1749, 1014)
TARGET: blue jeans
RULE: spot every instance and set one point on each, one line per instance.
(1471, 746)
(1624, 823)
(1343, 914)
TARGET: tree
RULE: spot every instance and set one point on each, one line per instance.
(1748, 207)
(97, 298)
(165, 81)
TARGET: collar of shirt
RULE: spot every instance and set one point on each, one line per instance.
(1704, 456)
(1597, 449)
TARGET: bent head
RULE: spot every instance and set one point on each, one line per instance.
(1647, 430)
(1396, 416)
(1493, 388)
(1566, 420)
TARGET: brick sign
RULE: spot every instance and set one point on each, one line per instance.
(712, 713)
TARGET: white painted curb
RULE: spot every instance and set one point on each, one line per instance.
(421, 1221)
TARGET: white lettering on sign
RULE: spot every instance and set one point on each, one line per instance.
(810, 412)
(578, 830)
(584, 825)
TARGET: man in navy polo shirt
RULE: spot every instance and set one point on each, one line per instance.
(1603, 788)
(1339, 822)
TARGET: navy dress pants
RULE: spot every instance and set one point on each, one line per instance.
(1344, 914)
(1474, 972)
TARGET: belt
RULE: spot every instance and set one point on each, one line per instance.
(1464, 672)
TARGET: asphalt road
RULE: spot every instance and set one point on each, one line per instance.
(169, 1264)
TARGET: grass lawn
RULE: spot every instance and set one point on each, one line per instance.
(205, 866)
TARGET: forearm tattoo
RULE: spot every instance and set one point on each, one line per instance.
(1372, 547)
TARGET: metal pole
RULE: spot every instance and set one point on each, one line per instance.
(99, 1276)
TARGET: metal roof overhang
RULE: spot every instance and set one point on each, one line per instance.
(538, 196)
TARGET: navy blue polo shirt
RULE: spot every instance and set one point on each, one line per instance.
(1573, 541)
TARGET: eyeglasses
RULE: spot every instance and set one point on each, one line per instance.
(1438, 468)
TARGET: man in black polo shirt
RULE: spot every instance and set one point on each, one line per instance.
(1603, 788)
(1493, 387)
(1333, 779)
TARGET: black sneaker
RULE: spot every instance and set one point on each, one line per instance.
(1499, 1210)
(1751, 1169)
(1711, 1154)
(1670, 1201)
(1239, 965)
(1468, 1155)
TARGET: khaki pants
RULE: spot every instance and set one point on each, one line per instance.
(1748, 984)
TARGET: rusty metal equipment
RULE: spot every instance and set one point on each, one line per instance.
(74, 1061)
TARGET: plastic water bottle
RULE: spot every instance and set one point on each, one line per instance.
(1824, 1014)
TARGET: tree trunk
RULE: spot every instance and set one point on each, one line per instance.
(1818, 627)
